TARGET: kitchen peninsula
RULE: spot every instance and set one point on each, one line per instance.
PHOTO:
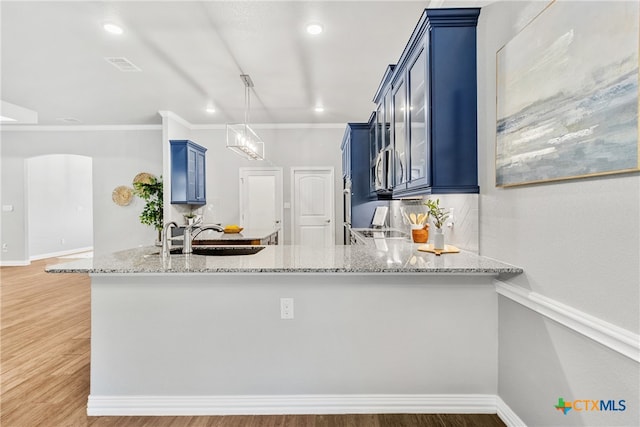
(190, 334)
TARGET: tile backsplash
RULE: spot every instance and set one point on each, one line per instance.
(461, 232)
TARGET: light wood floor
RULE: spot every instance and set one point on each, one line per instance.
(45, 365)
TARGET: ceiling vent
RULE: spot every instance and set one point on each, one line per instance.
(69, 120)
(122, 64)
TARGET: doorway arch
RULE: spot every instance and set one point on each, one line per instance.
(59, 203)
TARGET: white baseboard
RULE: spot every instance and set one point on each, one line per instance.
(61, 253)
(614, 337)
(14, 263)
(291, 404)
(507, 415)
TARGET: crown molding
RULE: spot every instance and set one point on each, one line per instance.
(77, 128)
(283, 126)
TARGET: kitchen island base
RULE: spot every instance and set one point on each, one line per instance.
(211, 344)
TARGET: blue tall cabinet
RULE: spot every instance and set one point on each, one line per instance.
(188, 173)
(432, 95)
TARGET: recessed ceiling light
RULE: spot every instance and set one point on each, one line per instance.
(319, 109)
(210, 110)
(314, 29)
(112, 28)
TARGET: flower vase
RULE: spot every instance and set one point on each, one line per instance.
(438, 239)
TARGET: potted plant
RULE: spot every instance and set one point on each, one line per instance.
(190, 218)
(149, 188)
(439, 215)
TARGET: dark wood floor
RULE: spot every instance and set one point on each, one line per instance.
(45, 329)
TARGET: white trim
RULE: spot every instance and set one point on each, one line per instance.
(16, 263)
(506, 414)
(61, 253)
(164, 114)
(78, 128)
(278, 173)
(614, 337)
(291, 404)
(275, 126)
(171, 115)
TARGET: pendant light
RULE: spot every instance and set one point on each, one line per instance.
(241, 139)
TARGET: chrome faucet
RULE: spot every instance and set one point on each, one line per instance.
(166, 238)
(187, 246)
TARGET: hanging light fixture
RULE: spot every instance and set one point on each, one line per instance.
(241, 139)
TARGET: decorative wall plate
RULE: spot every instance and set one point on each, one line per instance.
(122, 195)
(143, 177)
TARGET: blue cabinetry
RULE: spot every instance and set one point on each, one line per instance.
(434, 106)
(359, 202)
(381, 139)
(188, 173)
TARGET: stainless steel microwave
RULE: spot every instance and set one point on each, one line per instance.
(382, 180)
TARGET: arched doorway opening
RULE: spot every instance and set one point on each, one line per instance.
(59, 205)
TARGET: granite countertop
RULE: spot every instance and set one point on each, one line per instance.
(396, 256)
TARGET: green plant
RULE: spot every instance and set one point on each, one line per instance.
(150, 190)
(438, 213)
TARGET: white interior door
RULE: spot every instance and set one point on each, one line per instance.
(261, 198)
(312, 206)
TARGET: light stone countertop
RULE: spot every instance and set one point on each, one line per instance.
(396, 256)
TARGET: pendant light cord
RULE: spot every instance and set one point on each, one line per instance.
(247, 106)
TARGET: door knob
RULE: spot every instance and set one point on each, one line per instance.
(328, 221)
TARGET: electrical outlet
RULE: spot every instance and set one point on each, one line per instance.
(450, 220)
(286, 308)
(5, 247)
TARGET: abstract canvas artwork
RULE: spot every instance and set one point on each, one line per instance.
(567, 94)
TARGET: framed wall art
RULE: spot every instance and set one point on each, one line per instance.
(567, 94)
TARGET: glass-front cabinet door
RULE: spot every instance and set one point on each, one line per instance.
(399, 133)
(386, 138)
(418, 168)
(379, 130)
(373, 125)
(376, 146)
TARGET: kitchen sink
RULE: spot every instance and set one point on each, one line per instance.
(221, 250)
(381, 233)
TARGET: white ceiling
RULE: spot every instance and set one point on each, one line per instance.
(192, 52)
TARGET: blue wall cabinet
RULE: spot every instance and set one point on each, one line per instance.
(434, 108)
(355, 154)
(380, 138)
(439, 67)
(188, 173)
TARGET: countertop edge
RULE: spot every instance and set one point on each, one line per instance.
(281, 260)
(435, 271)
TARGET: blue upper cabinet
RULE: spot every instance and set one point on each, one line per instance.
(188, 173)
(434, 106)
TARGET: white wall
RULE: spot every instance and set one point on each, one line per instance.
(578, 242)
(285, 148)
(60, 204)
(352, 334)
(173, 127)
(118, 155)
